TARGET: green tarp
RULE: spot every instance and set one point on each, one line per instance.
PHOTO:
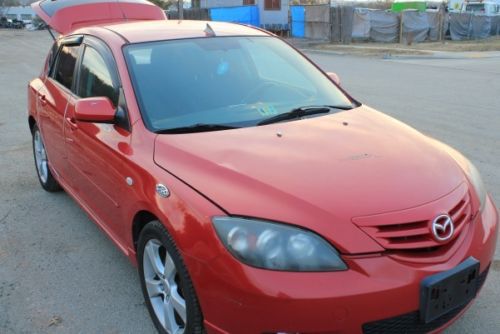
(400, 6)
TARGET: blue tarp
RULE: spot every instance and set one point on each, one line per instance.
(243, 14)
(298, 21)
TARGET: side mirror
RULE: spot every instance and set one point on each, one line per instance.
(95, 110)
(334, 77)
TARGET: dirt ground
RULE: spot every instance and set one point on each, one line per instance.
(426, 48)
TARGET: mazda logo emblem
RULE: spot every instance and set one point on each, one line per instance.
(443, 227)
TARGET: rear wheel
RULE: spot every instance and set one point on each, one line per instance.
(167, 288)
(45, 176)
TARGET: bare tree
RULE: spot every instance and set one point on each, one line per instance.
(9, 3)
(5, 4)
(165, 4)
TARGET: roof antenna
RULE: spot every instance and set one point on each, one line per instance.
(209, 32)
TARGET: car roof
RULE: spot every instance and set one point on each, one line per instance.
(157, 30)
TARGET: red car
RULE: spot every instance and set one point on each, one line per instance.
(254, 194)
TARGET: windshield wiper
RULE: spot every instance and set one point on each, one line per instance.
(199, 127)
(301, 112)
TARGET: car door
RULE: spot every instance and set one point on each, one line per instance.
(52, 102)
(97, 153)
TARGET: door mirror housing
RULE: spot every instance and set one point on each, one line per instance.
(334, 77)
(95, 110)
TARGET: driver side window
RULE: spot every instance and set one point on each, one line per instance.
(95, 77)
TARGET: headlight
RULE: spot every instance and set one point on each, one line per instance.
(472, 174)
(276, 246)
(477, 183)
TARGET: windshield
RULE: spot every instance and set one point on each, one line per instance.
(479, 7)
(230, 81)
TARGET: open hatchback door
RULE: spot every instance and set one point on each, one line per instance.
(65, 16)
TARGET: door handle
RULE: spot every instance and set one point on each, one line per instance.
(72, 123)
(43, 100)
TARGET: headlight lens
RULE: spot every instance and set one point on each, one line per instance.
(276, 246)
(472, 174)
(477, 183)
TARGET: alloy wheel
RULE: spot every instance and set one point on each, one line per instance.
(41, 157)
(164, 291)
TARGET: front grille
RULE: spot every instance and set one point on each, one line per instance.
(394, 232)
(410, 323)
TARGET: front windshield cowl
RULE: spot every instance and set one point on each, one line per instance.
(200, 127)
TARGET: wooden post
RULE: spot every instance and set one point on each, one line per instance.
(181, 9)
(341, 24)
(401, 27)
(333, 21)
(440, 24)
(469, 32)
(441, 21)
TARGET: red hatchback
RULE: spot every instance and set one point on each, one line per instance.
(254, 194)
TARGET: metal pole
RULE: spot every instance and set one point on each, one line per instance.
(51, 34)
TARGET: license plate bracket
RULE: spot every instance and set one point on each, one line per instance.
(443, 292)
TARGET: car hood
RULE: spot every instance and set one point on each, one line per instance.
(318, 172)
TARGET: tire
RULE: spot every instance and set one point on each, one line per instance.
(47, 180)
(169, 285)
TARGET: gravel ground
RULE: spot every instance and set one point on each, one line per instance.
(60, 274)
(491, 44)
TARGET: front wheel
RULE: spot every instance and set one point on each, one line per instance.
(167, 288)
(45, 176)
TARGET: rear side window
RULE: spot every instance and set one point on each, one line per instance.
(95, 77)
(65, 66)
(51, 58)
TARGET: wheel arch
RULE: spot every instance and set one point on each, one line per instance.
(31, 122)
(140, 220)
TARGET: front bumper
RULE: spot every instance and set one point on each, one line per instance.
(377, 293)
(411, 323)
